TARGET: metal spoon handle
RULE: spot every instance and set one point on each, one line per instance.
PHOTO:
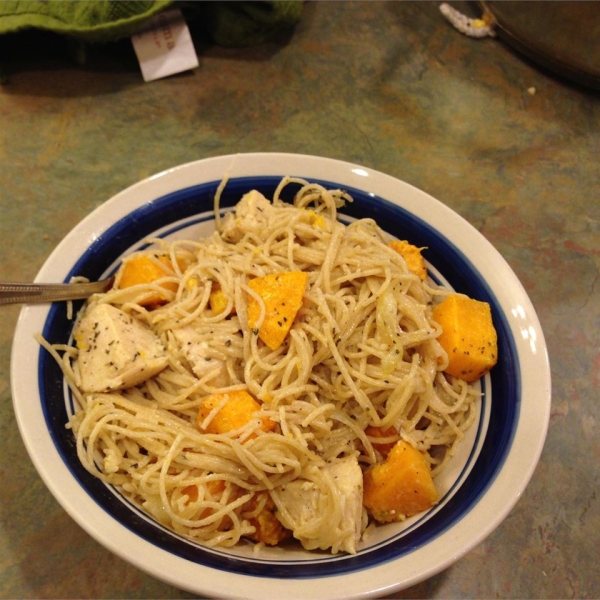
(29, 293)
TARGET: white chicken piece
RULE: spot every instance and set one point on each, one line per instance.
(251, 216)
(116, 350)
(303, 508)
(196, 350)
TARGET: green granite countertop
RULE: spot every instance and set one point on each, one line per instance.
(513, 149)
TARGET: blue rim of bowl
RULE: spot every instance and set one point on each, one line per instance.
(144, 221)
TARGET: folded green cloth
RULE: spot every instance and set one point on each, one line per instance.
(227, 23)
(244, 23)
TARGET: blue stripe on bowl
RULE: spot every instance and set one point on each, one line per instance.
(444, 255)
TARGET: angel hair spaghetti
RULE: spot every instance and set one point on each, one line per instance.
(282, 378)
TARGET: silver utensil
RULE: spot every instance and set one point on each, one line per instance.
(36, 293)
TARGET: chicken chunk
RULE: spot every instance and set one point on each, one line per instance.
(302, 507)
(116, 350)
(197, 352)
(251, 216)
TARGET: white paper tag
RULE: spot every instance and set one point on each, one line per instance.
(164, 47)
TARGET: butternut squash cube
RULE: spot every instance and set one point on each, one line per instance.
(214, 488)
(400, 487)
(141, 269)
(269, 529)
(212, 492)
(382, 433)
(282, 294)
(239, 409)
(413, 257)
(218, 301)
(468, 337)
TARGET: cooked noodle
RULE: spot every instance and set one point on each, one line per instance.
(362, 352)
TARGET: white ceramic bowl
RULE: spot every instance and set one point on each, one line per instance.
(485, 479)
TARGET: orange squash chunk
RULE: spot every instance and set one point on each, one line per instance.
(269, 529)
(400, 487)
(381, 432)
(413, 257)
(468, 337)
(282, 294)
(215, 488)
(141, 268)
(218, 301)
(239, 409)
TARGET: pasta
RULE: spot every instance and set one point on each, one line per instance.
(359, 357)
